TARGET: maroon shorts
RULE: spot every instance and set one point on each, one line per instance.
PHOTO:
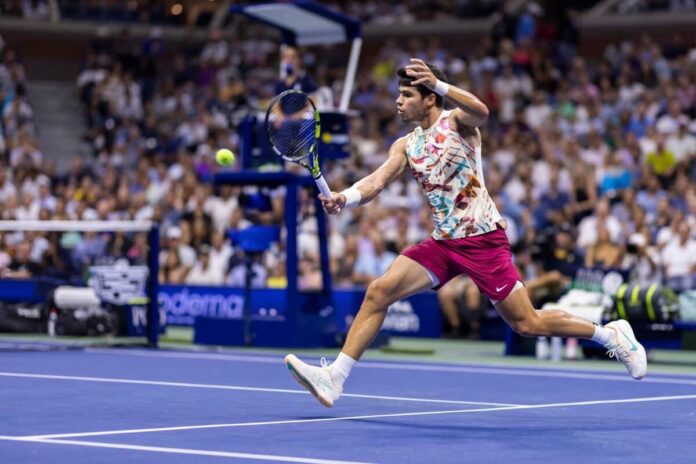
(486, 259)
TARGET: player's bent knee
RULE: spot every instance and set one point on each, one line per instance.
(379, 294)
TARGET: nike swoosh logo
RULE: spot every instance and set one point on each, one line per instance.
(633, 345)
(498, 289)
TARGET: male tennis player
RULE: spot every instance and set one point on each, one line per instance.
(444, 155)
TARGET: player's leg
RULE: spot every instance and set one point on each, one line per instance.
(517, 310)
(403, 278)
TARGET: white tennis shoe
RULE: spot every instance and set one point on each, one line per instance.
(627, 350)
(315, 379)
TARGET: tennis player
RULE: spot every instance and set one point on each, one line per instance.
(444, 155)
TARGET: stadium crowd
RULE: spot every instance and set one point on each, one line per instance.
(591, 161)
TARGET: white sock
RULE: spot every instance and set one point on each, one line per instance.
(341, 368)
(603, 336)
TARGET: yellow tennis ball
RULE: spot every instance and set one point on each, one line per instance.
(224, 157)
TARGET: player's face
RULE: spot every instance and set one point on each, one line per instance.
(410, 104)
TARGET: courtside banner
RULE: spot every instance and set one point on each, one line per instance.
(417, 316)
(183, 303)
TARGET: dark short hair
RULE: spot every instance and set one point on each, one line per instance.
(406, 81)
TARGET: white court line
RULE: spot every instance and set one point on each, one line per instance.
(236, 388)
(346, 418)
(521, 371)
(194, 452)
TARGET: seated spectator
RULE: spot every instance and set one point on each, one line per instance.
(203, 272)
(662, 162)
(172, 271)
(679, 260)
(342, 266)
(640, 261)
(238, 274)
(604, 252)
(589, 226)
(649, 197)
(461, 304)
(371, 264)
(613, 175)
(559, 266)
(682, 144)
(21, 266)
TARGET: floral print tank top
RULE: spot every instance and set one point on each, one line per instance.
(449, 172)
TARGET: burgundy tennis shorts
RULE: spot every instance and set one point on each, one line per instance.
(486, 259)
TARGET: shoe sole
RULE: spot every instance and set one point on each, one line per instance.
(627, 327)
(289, 359)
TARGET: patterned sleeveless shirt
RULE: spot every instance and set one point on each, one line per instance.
(449, 172)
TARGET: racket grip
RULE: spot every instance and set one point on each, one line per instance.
(323, 186)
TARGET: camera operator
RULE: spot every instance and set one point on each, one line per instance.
(639, 261)
(295, 76)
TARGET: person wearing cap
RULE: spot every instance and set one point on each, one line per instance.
(559, 266)
(187, 255)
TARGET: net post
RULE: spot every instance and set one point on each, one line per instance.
(153, 287)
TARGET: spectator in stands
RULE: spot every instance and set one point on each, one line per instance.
(463, 307)
(204, 272)
(174, 241)
(559, 264)
(342, 266)
(682, 144)
(640, 261)
(649, 197)
(22, 266)
(293, 72)
(238, 274)
(589, 227)
(172, 271)
(679, 260)
(603, 253)
(373, 261)
(662, 162)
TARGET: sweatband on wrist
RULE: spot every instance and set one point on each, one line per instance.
(441, 88)
(353, 197)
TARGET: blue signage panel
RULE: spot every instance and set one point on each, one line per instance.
(417, 316)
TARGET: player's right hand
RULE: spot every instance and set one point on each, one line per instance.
(333, 204)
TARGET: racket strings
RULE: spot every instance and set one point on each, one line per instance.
(292, 126)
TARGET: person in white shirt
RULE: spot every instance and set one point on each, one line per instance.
(682, 144)
(669, 123)
(536, 114)
(679, 260)
(203, 272)
(587, 230)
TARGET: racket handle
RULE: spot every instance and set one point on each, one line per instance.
(323, 186)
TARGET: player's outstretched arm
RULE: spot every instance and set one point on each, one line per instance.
(369, 187)
(470, 110)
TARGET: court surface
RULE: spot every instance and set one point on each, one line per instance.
(167, 406)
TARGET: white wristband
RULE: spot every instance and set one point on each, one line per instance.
(441, 88)
(353, 197)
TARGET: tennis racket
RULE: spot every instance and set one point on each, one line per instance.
(292, 127)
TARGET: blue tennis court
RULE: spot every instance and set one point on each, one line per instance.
(140, 406)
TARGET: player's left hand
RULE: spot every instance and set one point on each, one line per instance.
(420, 71)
